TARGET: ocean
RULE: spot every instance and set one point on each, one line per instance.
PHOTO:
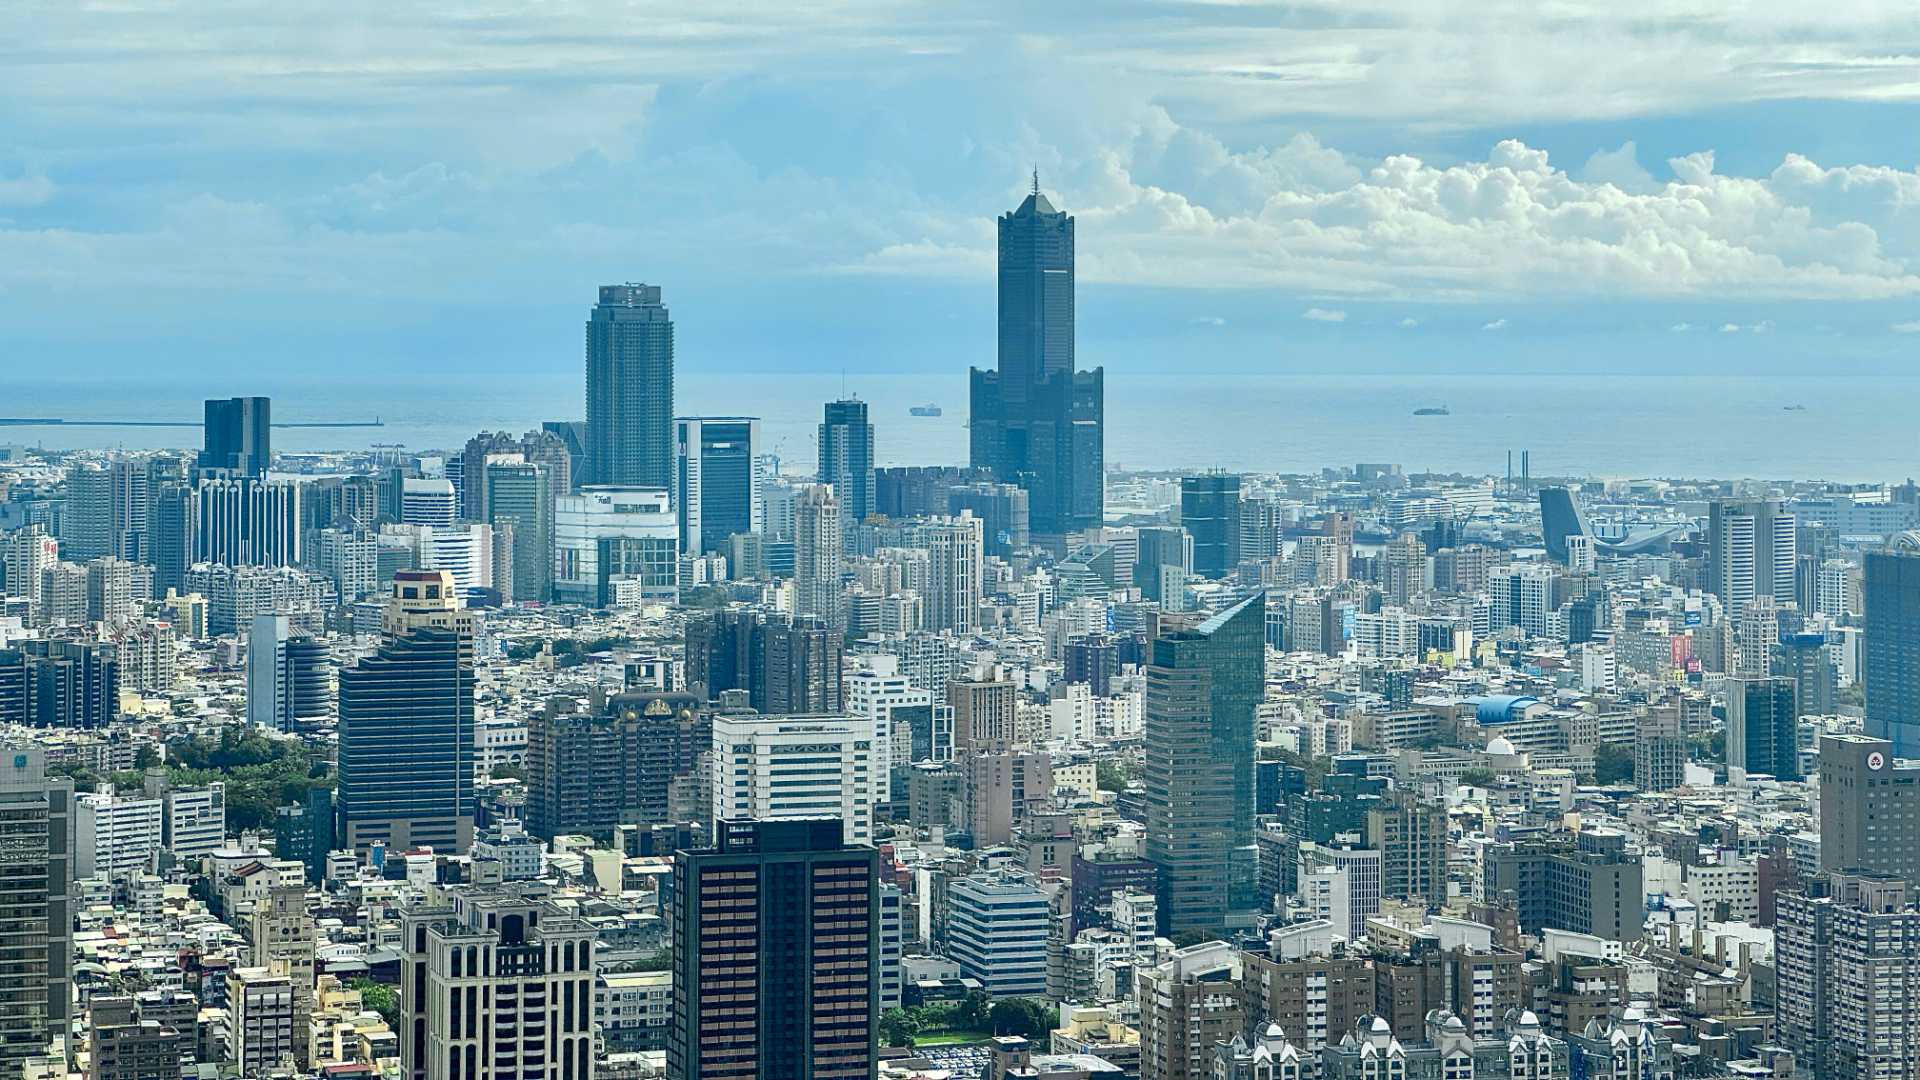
(1843, 428)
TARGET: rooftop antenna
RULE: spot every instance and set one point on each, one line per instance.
(1036, 179)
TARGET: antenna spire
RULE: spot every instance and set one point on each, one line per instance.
(1036, 179)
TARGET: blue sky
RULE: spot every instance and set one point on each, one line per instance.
(211, 187)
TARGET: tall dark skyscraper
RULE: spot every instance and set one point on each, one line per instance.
(1210, 512)
(630, 388)
(406, 724)
(846, 460)
(1891, 668)
(1037, 422)
(717, 480)
(239, 435)
(775, 934)
(1204, 686)
(1560, 517)
(1763, 734)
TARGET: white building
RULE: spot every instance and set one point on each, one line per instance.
(892, 946)
(429, 501)
(796, 766)
(194, 822)
(955, 563)
(606, 533)
(997, 932)
(116, 835)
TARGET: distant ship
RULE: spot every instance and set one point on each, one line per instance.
(1794, 408)
(925, 410)
(1433, 410)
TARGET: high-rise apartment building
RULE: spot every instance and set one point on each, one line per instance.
(496, 983)
(818, 556)
(955, 564)
(591, 770)
(630, 389)
(1035, 421)
(776, 938)
(1750, 552)
(1210, 512)
(717, 480)
(846, 460)
(521, 494)
(1204, 686)
(1891, 667)
(1763, 731)
(1187, 1005)
(1847, 952)
(407, 724)
(36, 878)
(245, 521)
(238, 436)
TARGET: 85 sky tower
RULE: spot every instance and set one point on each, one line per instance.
(1037, 422)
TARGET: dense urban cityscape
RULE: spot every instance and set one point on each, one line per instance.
(622, 747)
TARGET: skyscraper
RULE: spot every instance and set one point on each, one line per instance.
(1203, 688)
(1210, 512)
(1867, 799)
(1763, 731)
(1891, 668)
(846, 460)
(521, 493)
(36, 878)
(818, 556)
(406, 724)
(1560, 518)
(717, 480)
(289, 676)
(1035, 421)
(243, 521)
(1750, 552)
(775, 941)
(239, 436)
(630, 388)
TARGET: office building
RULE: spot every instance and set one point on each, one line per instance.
(289, 677)
(613, 542)
(1847, 953)
(36, 879)
(1203, 688)
(1210, 512)
(776, 934)
(846, 461)
(1805, 659)
(1750, 552)
(1003, 510)
(430, 501)
(116, 835)
(407, 723)
(1868, 802)
(798, 665)
(238, 436)
(717, 480)
(591, 770)
(984, 713)
(245, 521)
(235, 594)
(796, 766)
(520, 494)
(261, 1021)
(1035, 421)
(630, 389)
(1164, 562)
(633, 1010)
(495, 983)
(1891, 667)
(819, 557)
(997, 932)
(116, 588)
(1763, 731)
(1187, 1006)
(544, 449)
(193, 821)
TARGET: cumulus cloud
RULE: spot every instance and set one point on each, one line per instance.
(1497, 324)
(1680, 327)
(1905, 327)
(1315, 314)
(1208, 320)
(1409, 323)
(27, 190)
(1621, 168)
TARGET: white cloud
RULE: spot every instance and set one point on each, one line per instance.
(1497, 324)
(1680, 327)
(1621, 168)
(27, 190)
(1905, 327)
(1208, 320)
(1409, 323)
(1730, 328)
(1764, 326)
(1324, 315)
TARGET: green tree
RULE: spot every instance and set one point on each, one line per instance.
(1477, 777)
(1110, 775)
(1612, 763)
(899, 1027)
(971, 1013)
(1023, 1016)
(1194, 936)
(381, 998)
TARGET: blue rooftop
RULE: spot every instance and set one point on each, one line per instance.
(1501, 709)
